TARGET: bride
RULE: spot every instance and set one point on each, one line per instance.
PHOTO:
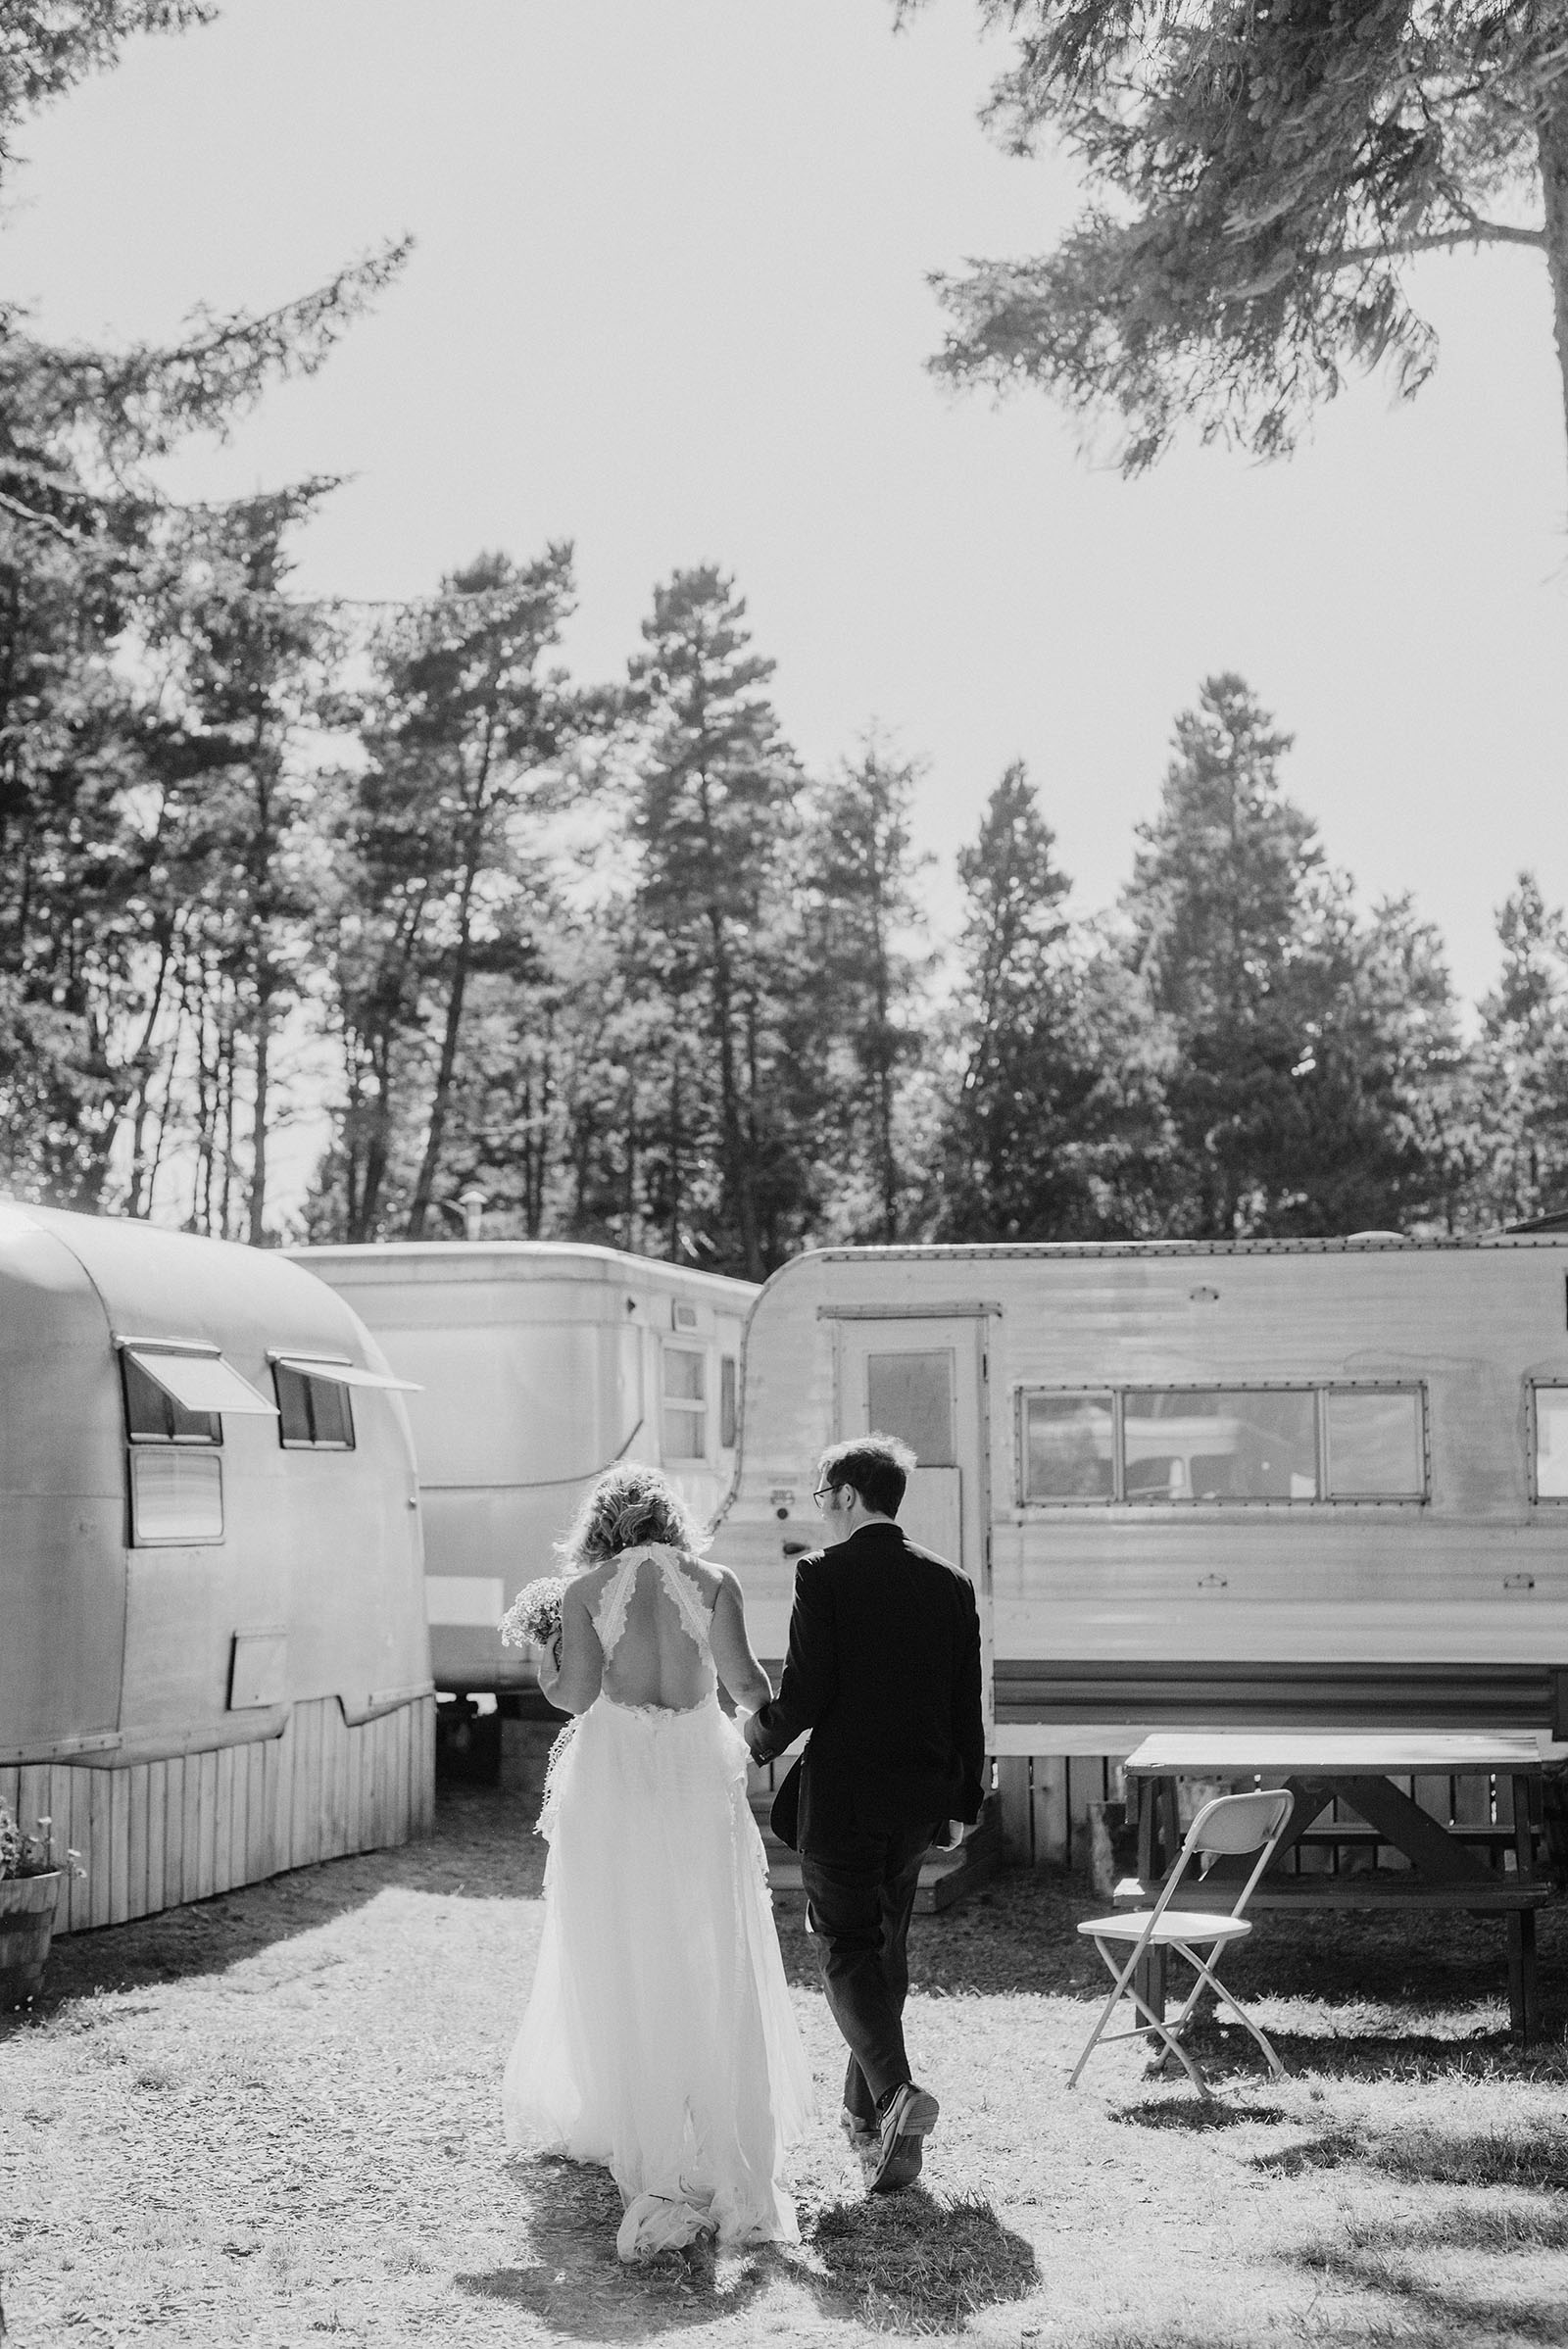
(659, 2039)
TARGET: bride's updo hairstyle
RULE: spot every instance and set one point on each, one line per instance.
(629, 1507)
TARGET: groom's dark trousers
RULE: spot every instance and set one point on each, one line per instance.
(884, 1669)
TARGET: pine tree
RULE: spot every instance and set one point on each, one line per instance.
(859, 1029)
(1056, 1103)
(1316, 1060)
(1221, 890)
(714, 806)
(1524, 1060)
(101, 985)
(1261, 179)
(246, 668)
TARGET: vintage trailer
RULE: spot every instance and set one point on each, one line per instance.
(539, 1364)
(1297, 1481)
(214, 1661)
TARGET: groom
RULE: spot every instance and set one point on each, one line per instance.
(884, 1669)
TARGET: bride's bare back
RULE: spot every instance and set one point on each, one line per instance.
(655, 1633)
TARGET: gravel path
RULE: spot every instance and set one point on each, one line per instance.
(275, 2117)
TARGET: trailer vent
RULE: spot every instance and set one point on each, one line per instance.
(682, 1316)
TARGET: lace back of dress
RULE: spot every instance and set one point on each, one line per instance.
(675, 1584)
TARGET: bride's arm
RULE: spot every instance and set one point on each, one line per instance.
(570, 1679)
(739, 1670)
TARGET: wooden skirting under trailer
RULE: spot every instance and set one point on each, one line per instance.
(154, 1833)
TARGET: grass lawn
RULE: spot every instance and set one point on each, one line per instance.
(275, 2117)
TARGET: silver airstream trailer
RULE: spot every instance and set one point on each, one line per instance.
(1291, 1481)
(539, 1364)
(214, 1662)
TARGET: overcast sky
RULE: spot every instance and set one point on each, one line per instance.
(668, 300)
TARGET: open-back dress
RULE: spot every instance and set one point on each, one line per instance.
(659, 2038)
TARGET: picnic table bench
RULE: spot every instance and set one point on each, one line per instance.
(1453, 1864)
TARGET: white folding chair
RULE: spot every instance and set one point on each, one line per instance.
(1232, 1823)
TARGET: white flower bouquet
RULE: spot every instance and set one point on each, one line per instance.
(533, 1619)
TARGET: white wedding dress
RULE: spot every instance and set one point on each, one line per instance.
(659, 2038)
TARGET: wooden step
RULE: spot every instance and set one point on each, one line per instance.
(946, 1879)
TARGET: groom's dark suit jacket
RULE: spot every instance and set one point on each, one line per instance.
(884, 1669)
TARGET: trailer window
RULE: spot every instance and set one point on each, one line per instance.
(1220, 1444)
(726, 1402)
(1068, 1447)
(1376, 1443)
(685, 1405)
(911, 1396)
(176, 1495)
(313, 1414)
(153, 1416)
(1550, 1415)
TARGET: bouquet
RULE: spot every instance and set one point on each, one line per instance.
(533, 1619)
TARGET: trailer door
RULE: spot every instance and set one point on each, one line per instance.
(924, 1379)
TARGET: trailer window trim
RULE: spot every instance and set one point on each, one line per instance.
(138, 1390)
(689, 1412)
(198, 1466)
(197, 1381)
(309, 1380)
(1535, 1390)
(1321, 1392)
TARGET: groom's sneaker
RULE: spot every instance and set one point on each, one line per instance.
(911, 2113)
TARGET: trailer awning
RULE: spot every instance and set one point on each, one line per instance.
(347, 1374)
(200, 1382)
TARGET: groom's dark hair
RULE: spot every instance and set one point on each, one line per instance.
(877, 1467)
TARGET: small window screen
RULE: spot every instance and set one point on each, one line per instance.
(911, 1396)
(1068, 1447)
(1220, 1444)
(313, 1414)
(727, 1402)
(685, 1405)
(153, 1416)
(176, 1495)
(1551, 1443)
(1376, 1450)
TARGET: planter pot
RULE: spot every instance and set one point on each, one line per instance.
(26, 1921)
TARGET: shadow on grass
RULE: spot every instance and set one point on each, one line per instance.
(1384, 2051)
(1432, 2312)
(919, 2262)
(911, 2263)
(476, 1850)
(1535, 2158)
(575, 2284)
(1197, 2116)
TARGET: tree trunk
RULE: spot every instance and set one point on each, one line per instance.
(1551, 132)
(264, 1040)
(882, 1075)
(143, 1059)
(474, 851)
(425, 1188)
(674, 1158)
(737, 1166)
(378, 1144)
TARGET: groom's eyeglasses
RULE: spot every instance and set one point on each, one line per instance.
(820, 1490)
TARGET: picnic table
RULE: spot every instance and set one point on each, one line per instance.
(1453, 1863)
